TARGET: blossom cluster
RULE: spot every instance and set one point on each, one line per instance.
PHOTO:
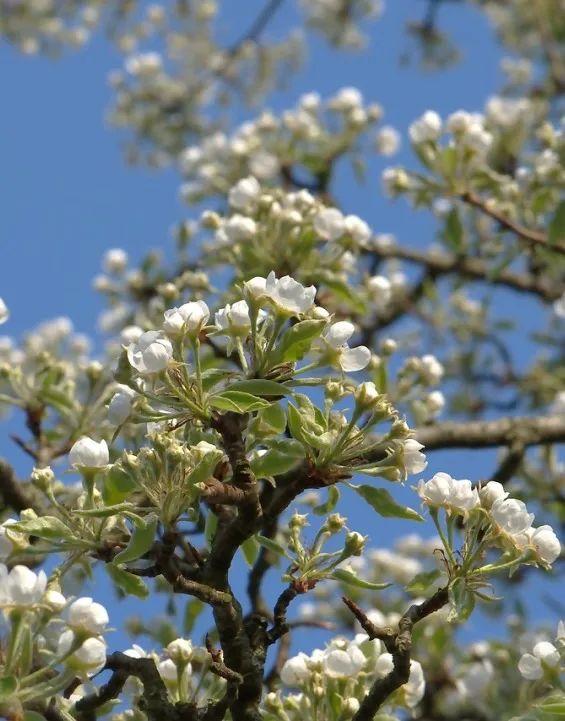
(339, 20)
(316, 132)
(351, 666)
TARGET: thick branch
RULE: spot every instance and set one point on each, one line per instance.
(12, 492)
(477, 269)
(533, 237)
(525, 430)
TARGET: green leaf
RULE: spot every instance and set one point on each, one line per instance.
(250, 550)
(8, 685)
(556, 230)
(210, 526)
(104, 511)
(192, 610)
(273, 463)
(340, 574)
(118, 485)
(260, 387)
(298, 339)
(237, 402)
(47, 527)
(295, 424)
(385, 505)
(127, 582)
(462, 600)
(330, 504)
(422, 581)
(453, 230)
(274, 417)
(140, 541)
(271, 545)
(33, 716)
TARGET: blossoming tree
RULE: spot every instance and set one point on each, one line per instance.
(272, 366)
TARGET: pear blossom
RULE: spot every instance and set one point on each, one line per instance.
(426, 128)
(511, 516)
(87, 616)
(151, 353)
(180, 650)
(89, 658)
(130, 334)
(348, 359)
(288, 295)
(120, 405)
(435, 402)
(239, 227)
(545, 542)
(233, 319)
(343, 662)
(115, 260)
(387, 141)
(4, 312)
(245, 193)
(188, 318)
(54, 599)
(88, 453)
(357, 229)
(491, 492)
(431, 369)
(295, 671)
(21, 587)
(437, 491)
(329, 224)
(413, 458)
(380, 289)
(531, 665)
(168, 670)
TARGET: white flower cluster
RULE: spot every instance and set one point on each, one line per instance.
(545, 658)
(351, 665)
(510, 521)
(73, 639)
(338, 20)
(264, 147)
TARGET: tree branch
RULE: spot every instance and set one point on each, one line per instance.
(525, 430)
(534, 237)
(398, 645)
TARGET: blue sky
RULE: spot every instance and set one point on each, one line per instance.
(67, 195)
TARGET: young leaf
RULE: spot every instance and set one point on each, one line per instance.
(330, 504)
(260, 387)
(297, 340)
(118, 485)
(385, 505)
(127, 582)
(237, 401)
(340, 574)
(140, 541)
(250, 550)
(8, 685)
(271, 545)
(422, 581)
(48, 527)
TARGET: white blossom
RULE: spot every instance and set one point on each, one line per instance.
(491, 492)
(531, 665)
(239, 227)
(245, 194)
(88, 453)
(89, 658)
(288, 295)
(387, 141)
(120, 405)
(413, 458)
(4, 312)
(115, 260)
(233, 319)
(180, 650)
(88, 616)
(21, 587)
(545, 542)
(348, 359)
(511, 516)
(295, 671)
(380, 289)
(151, 353)
(357, 229)
(343, 662)
(188, 318)
(425, 128)
(329, 224)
